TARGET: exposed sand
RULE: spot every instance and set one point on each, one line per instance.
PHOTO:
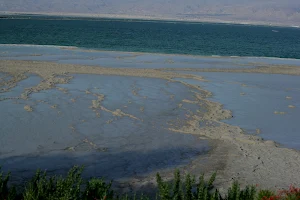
(279, 113)
(235, 155)
(249, 159)
(263, 69)
(28, 108)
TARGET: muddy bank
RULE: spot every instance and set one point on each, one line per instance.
(263, 69)
(258, 103)
(235, 155)
(116, 59)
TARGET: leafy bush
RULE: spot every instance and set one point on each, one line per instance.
(292, 193)
(5, 193)
(265, 194)
(184, 191)
(43, 188)
(98, 189)
(235, 193)
(72, 187)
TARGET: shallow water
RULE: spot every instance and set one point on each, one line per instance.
(63, 129)
(130, 60)
(258, 101)
(16, 91)
(125, 135)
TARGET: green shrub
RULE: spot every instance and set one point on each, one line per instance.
(163, 188)
(72, 187)
(292, 193)
(235, 192)
(184, 191)
(248, 193)
(5, 192)
(265, 194)
(98, 189)
(43, 188)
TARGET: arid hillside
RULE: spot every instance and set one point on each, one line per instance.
(262, 11)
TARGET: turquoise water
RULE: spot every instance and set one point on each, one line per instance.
(154, 36)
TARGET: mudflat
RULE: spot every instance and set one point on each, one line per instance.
(227, 149)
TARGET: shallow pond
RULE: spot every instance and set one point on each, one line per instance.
(116, 126)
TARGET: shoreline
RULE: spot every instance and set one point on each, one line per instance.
(247, 158)
(83, 49)
(151, 18)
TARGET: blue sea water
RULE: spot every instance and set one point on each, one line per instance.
(154, 36)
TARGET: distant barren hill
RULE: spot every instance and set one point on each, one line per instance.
(262, 11)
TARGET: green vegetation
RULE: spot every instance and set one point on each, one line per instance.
(44, 187)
